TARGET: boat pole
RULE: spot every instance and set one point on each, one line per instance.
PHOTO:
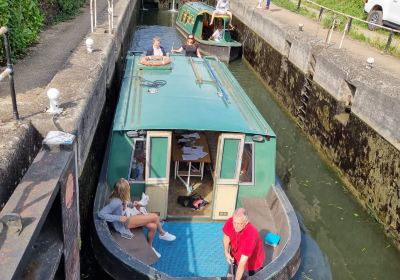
(173, 6)
(143, 8)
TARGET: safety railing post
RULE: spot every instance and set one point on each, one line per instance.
(298, 5)
(7, 49)
(350, 24)
(389, 41)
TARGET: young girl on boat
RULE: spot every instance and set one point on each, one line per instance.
(113, 212)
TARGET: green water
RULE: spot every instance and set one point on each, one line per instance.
(339, 239)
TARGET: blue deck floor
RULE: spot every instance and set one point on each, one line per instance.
(197, 250)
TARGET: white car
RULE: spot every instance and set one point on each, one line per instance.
(386, 12)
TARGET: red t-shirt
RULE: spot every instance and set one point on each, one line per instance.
(246, 242)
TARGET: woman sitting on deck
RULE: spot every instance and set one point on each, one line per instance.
(113, 212)
(191, 48)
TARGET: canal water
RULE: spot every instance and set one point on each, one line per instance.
(339, 239)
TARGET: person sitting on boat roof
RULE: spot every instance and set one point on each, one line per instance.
(155, 55)
(156, 49)
(222, 8)
(113, 212)
(243, 247)
(191, 48)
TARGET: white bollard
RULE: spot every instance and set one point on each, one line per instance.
(53, 94)
(370, 63)
(89, 45)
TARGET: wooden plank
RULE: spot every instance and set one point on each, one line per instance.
(32, 200)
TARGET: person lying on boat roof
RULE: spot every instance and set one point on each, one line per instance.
(120, 200)
(222, 8)
(155, 55)
(191, 48)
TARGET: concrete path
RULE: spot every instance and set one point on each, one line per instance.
(47, 57)
(358, 49)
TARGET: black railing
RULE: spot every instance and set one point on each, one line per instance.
(9, 71)
(350, 21)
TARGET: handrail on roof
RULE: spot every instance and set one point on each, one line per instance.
(225, 97)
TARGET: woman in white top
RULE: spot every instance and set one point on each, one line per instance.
(222, 8)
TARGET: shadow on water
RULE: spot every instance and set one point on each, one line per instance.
(339, 240)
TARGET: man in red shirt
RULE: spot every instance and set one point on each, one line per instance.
(242, 245)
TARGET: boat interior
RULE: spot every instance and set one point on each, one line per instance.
(208, 29)
(196, 151)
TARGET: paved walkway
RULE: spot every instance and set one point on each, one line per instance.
(46, 58)
(358, 49)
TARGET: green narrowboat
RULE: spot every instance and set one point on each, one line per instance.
(194, 18)
(189, 127)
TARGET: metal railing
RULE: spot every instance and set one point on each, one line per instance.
(349, 23)
(93, 15)
(9, 71)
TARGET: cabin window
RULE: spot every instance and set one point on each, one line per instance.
(247, 167)
(138, 161)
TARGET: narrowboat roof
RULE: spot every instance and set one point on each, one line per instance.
(197, 95)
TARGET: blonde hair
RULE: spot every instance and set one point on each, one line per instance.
(121, 190)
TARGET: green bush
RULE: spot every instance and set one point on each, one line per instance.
(68, 8)
(24, 20)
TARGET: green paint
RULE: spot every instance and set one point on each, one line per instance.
(190, 20)
(158, 157)
(199, 107)
(229, 158)
(120, 157)
(137, 189)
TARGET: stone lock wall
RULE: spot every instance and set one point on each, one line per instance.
(348, 111)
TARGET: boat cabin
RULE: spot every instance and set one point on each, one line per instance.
(195, 18)
(189, 128)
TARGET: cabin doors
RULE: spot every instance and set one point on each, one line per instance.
(158, 147)
(226, 184)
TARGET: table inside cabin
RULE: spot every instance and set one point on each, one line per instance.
(190, 150)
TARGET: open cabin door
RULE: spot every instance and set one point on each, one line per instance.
(158, 147)
(226, 183)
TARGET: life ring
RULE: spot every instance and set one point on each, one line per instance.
(155, 60)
